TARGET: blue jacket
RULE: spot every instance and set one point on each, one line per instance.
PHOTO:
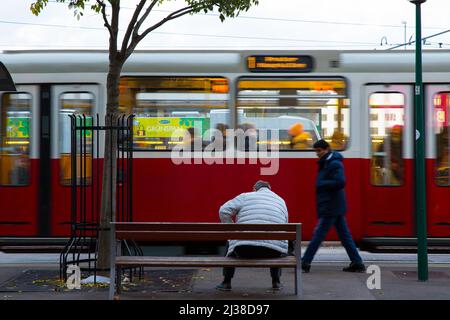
(330, 186)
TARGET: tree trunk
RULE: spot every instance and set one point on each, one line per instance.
(108, 204)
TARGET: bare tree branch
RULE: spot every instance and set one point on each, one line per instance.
(144, 16)
(131, 25)
(137, 38)
(105, 19)
(171, 16)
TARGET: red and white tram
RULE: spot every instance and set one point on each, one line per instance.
(360, 101)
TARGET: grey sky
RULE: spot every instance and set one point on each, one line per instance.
(293, 24)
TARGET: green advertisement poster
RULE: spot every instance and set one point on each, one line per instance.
(18, 127)
(87, 122)
(165, 127)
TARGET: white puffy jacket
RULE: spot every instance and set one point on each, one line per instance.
(262, 206)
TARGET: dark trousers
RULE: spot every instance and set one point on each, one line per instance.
(343, 232)
(253, 252)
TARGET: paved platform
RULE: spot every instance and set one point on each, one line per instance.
(325, 281)
(328, 253)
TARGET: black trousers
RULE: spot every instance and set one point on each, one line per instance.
(253, 252)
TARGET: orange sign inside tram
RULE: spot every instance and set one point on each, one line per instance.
(280, 63)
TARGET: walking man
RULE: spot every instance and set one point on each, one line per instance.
(260, 206)
(331, 208)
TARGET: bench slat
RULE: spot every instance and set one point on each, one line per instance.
(152, 226)
(151, 261)
(204, 235)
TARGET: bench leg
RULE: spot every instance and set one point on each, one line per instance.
(112, 282)
(114, 250)
(119, 268)
(298, 258)
(298, 282)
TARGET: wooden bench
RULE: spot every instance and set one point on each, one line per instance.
(147, 232)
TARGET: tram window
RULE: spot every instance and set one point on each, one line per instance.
(78, 103)
(302, 111)
(441, 102)
(15, 139)
(164, 105)
(387, 120)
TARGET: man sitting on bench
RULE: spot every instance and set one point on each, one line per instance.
(258, 207)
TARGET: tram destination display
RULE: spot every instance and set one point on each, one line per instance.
(280, 63)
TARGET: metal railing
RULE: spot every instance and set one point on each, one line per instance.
(87, 183)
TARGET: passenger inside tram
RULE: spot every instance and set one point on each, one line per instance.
(387, 158)
(338, 140)
(220, 139)
(300, 139)
(443, 157)
(19, 175)
(250, 136)
(396, 153)
(192, 139)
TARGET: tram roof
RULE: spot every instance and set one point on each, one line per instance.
(218, 61)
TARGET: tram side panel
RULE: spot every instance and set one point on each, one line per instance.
(165, 192)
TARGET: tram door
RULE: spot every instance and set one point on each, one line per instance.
(389, 198)
(66, 99)
(19, 161)
(437, 103)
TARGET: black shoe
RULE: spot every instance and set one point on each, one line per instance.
(306, 267)
(355, 267)
(224, 286)
(276, 285)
